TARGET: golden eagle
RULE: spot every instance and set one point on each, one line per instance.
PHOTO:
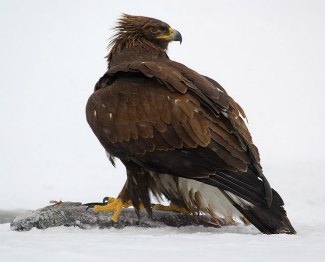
(178, 133)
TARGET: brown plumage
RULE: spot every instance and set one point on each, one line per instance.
(178, 133)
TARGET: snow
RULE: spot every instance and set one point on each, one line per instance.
(162, 244)
(268, 55)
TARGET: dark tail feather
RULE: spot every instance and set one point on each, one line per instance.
(269, 220)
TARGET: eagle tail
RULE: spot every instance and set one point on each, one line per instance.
(269, 220)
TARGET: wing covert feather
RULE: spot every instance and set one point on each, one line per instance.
(192, 111)
(167, 121)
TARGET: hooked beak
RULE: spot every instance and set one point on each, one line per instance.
(172, 35)
(175, 35)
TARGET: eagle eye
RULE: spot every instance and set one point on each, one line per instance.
(163, 29)
(160, 29)
(154, 30)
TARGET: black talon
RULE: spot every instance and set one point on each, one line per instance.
(105, 200)
(93, 204)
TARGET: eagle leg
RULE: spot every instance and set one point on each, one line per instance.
(172, 208)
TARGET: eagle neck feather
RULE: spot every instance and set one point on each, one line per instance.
(140, 53)
(123, 41)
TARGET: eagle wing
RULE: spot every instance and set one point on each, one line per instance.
(144, 110)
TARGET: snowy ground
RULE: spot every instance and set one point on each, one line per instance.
(269, 55)
(166, 244)
(304, 203)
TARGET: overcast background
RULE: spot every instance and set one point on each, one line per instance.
(269, 55)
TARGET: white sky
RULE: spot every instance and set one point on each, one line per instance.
(267, 54)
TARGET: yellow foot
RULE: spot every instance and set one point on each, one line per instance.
(115, 205)
(172, 208)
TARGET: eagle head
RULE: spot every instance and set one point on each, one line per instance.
(136, 30)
